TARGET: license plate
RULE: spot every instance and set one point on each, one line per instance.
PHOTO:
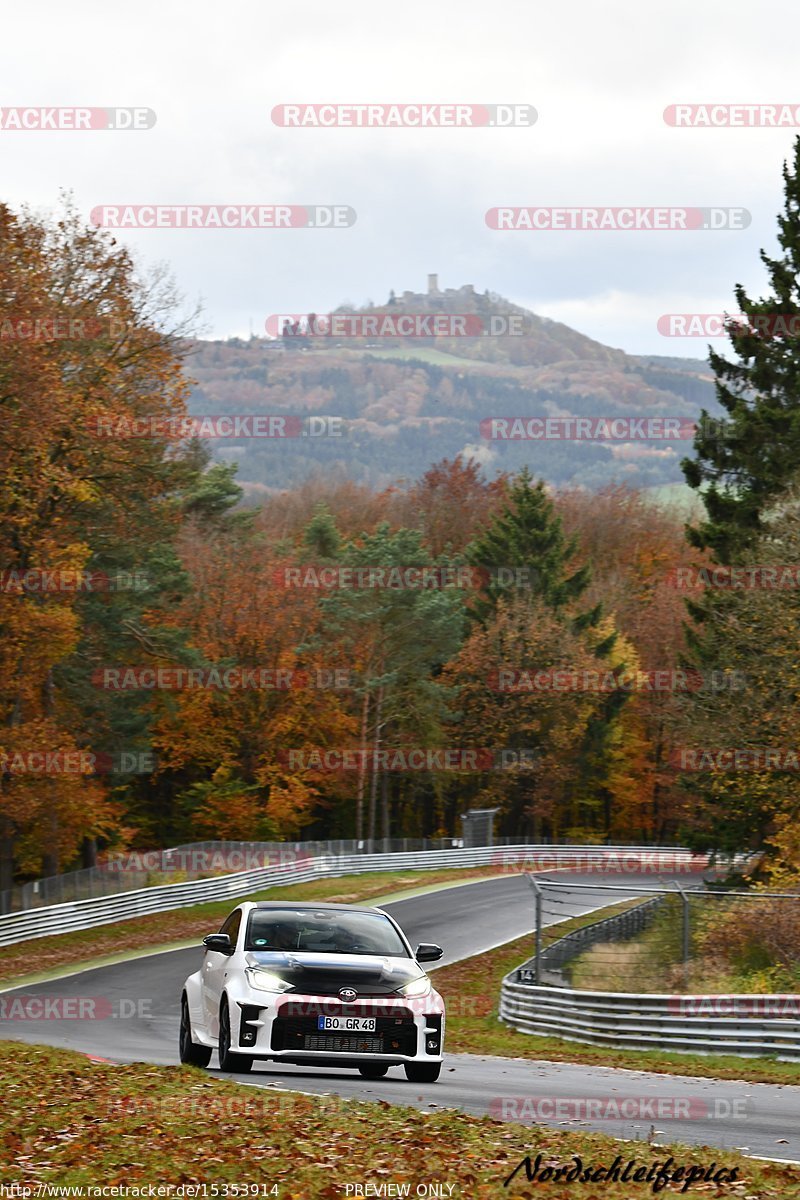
(345, 1024)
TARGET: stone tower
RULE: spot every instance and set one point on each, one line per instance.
(433, 285)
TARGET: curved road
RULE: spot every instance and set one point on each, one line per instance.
(138, 1006)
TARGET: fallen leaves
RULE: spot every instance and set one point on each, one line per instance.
(69, 1121)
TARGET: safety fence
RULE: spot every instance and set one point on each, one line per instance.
(103, 910)
(751, 1023)
(122, 871)
(611, 929)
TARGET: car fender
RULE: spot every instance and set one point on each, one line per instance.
(236, 992)
(193, 988)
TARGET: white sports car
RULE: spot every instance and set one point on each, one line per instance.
(326, 985)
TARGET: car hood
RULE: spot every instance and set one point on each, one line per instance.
(322, 973)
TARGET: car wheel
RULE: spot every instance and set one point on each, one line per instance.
(190, 1052)
(373, 1070)
(227, 1060)
(422, 1072)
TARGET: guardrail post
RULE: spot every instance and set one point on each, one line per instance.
(686, 938)
(537, 962)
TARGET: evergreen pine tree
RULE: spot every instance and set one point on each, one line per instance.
(527, 535)
(743, 466)
(744, 462)
(321, 536)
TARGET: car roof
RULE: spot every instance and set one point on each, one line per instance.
(309, 906)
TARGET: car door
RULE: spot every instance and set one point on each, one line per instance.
(215, 973)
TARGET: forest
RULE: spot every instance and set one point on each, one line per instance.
(338, 658)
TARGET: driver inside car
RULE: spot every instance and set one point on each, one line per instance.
(282, 937)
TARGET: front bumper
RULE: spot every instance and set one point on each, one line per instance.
(285, 1026)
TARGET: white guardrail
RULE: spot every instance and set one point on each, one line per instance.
(105, 910)
(742, 1024)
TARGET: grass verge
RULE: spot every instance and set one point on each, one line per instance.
(182, 924)
(66, 1121)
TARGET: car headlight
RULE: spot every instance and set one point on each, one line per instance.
(417, 987)
(265, 981)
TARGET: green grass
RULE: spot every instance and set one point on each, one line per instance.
(66, 1121)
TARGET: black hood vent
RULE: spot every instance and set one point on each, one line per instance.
(325, 974)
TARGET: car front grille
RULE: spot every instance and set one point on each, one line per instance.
(364, 1044)
(393, 1035)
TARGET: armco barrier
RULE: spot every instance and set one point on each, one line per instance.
(648, 1022)
(746, 1024)
(104, 910)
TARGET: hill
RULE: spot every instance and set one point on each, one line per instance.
(407, 401)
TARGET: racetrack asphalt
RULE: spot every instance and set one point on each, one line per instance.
(143, 994)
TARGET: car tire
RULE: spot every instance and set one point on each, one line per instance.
(191, 1053)
(373, 1070)
(422, 1072)
(229, 1061)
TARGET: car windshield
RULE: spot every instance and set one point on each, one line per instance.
(323, 932)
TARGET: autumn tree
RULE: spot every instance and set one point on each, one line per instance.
(537, 735)
(452, 503)
(637, 550)
(227, 749)
(398, 637)
(96, 353)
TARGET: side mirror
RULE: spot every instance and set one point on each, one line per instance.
(218, 941)
(428, 952)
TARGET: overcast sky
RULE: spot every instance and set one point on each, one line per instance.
(599, 77)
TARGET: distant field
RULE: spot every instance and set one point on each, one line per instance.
(677, 496)
(428, 355)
